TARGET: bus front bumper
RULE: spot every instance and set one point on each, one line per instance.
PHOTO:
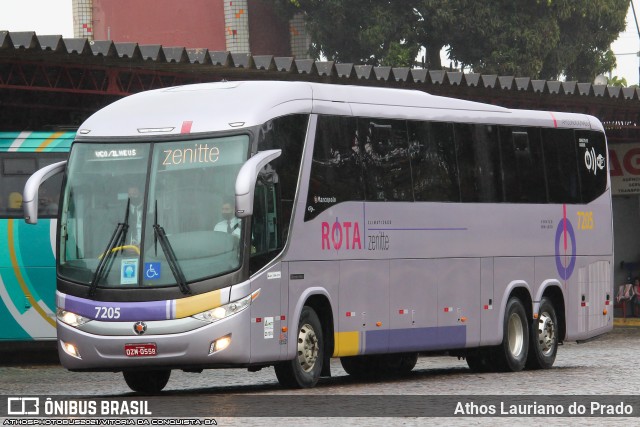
(106, 348)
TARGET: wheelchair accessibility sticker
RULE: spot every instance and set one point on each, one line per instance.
(129, 271)
(152, 270)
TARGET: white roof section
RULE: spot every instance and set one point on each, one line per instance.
(207, 107)
(225, 106)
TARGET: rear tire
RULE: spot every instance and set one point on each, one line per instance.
(357, 366)
(481, 361)
(379, 364)
(149, 382)
(399, 363)
(304, 370)
(512, 353)
(544, 337)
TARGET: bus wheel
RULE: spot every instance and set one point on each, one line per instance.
(147, 381)
(512, 353)
(357, 366)
(480, 361)
(544, 337)
(400, 363)
(304, 370)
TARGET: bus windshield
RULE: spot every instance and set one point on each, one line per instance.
(166, 212)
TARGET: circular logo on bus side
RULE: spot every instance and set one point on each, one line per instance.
(565, 256)
(140, 328)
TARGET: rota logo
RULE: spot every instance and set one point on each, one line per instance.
(339, 234)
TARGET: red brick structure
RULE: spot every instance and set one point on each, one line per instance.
(192, 23)
(239, 26)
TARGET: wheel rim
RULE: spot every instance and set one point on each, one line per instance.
(546, 334)
(516, 335)
(307, 347)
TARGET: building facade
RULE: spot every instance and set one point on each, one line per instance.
(236, 26)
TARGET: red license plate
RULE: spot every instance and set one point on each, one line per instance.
(140, 350)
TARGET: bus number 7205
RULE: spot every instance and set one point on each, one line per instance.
(107, 312)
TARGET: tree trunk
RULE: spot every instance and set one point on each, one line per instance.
(433, 57)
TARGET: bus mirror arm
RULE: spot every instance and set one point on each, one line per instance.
(30, 193)
(246, 180)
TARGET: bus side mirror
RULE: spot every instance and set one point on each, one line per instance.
(246, 180)
(30, 193)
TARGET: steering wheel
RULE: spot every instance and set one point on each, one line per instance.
(133, 248)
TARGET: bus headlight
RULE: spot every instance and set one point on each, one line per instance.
(70, 349)
(70, 318)
(220, 344)
(226, 310)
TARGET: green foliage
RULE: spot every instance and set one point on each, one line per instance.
(506, 37)
(358, 31)
(617, 81)
(533, 38)
(399, 55)
(587, 29)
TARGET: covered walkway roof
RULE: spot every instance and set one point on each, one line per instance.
(49, 81)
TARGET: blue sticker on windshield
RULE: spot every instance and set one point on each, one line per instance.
(129, 271)
(152, 270)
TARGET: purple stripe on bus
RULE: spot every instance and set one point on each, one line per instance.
(376, 342)
(420, 229)
(117, 311)
(423, 339)
(415, 339)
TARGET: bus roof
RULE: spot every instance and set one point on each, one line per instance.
(209, 107)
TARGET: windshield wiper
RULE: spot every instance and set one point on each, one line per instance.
(117, 238)
(170, 255)
(155, 235)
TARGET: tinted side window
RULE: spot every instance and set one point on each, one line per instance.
(433, 162)
(385, 157)
(561, 165)
(592, 163)
(16, 169)
(265, 222)
(478, 163)
(288, 134)
(522, 167)
(336, 169)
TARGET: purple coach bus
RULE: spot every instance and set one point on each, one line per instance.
(254, 224)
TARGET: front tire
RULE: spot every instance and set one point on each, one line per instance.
(544, 337)
(512, 353)
(148, 382)
(304, 370)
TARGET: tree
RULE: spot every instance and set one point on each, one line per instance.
(541, 39)
(357, 31)
(587, 29)
(533, 38)
(507, 37)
